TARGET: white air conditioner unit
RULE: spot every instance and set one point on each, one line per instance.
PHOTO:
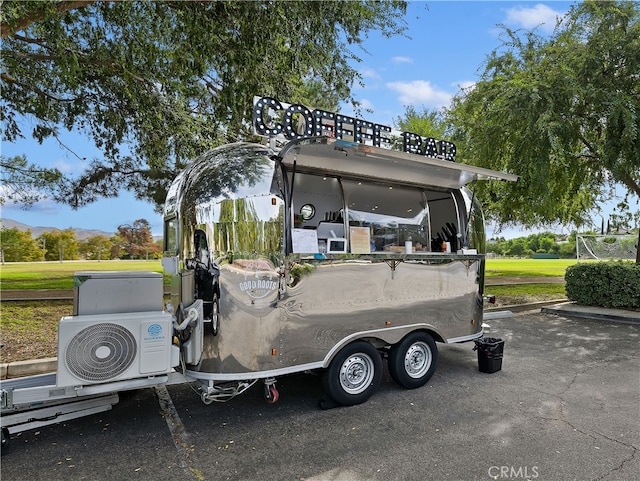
(104, 348)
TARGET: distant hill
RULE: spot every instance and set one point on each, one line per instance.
(38, 230)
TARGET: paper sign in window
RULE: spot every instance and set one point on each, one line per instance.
(304, 240)
(360, 240)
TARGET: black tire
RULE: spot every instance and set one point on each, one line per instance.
(215, 315)
(413, 360)
(354, 374)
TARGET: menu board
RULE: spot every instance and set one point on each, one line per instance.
(305, 241)
(360, 240)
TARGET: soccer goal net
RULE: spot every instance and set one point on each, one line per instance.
(604, 247)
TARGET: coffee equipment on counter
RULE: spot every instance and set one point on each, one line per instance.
(447, 241)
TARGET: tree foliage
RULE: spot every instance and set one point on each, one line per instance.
(19, 246)
(153, 84)
(563, 113)
(25, 183)
(426, 123)
(59, 245)
(134, 241)
(130, 242)
(97, 247)
(542, 243)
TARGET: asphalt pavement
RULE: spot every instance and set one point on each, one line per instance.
(564, 406)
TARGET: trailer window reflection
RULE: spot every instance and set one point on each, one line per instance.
(394, 214)
(171, 235)
(249, 225)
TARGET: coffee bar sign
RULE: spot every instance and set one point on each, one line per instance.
(272, 118)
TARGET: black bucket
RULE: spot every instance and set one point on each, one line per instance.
(490, 350)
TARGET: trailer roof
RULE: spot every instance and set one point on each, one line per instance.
(338, 157)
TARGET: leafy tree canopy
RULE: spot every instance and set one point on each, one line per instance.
(96, 247)
(154, 84)
(563, 113)
(18, 246)
(59, 245)
(135, 240)
(26, 183)
(426, 123)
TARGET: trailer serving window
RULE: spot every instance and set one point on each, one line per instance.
(393, 214)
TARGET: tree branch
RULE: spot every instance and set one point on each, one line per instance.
(588, 146)
(65, 146)
(22, 170)
(39, 14)
(10, 79)
(114, 66)
(632, 184)
(32, 56)
(39, 41)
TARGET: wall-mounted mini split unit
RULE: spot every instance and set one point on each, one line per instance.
(103, 348)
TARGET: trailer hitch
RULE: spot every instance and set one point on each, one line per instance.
(222, 393)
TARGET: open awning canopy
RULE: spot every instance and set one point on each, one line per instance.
(329, 156)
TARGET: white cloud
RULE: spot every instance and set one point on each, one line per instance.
(366, 104)
(464, 84)
(540, 16)
(370, 73)
(401, 59)
(420, 92)
(362, 112)
(14, 211)
(67, 167)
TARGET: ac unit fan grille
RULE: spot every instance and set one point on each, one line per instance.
(101, 352)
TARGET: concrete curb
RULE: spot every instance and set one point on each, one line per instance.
(592, 312)
(526, 307)
(10, 370)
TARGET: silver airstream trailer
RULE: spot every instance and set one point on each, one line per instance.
(324, 255)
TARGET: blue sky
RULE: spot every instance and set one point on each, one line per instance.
(449, 41)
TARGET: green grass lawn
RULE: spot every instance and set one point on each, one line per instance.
(527, 267)
(59, 275)
(525, 292)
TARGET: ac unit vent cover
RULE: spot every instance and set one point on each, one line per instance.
(101, 352)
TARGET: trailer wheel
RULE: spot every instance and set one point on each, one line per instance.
(271, 394)
(354, 374)
(413, 360)
(215, 315)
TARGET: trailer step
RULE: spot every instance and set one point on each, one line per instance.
(35, 418)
